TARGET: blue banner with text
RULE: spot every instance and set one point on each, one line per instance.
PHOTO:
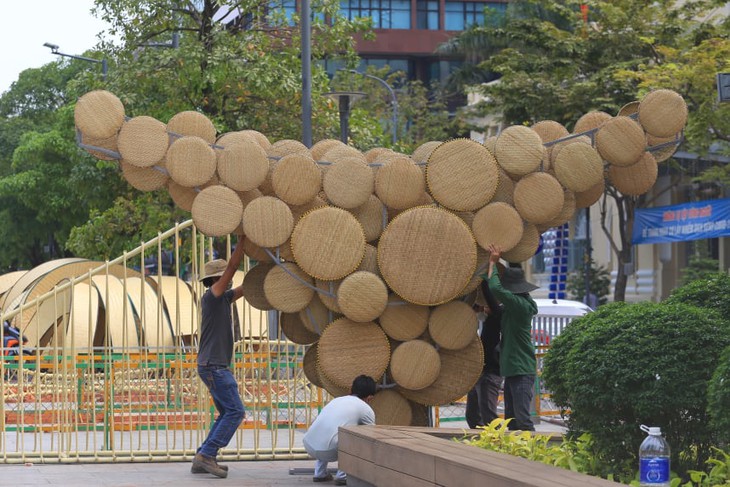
(679, 223)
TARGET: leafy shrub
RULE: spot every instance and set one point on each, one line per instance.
(718, 399)
(711, 292)
(578, 455)
(631, 364)
(699, 268)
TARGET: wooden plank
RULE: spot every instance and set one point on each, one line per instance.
(425, 459)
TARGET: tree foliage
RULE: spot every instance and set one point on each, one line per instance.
(599, 279)
(557, 62)
(647, 363)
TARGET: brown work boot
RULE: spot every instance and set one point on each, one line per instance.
(208, 464)
(199, 469)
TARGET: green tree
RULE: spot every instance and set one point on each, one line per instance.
(47, 185)
(559, 65)
(599, 279)
(646, 363)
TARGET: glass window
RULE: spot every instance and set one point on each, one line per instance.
(385, 14)
(427, 14)
(460, 15)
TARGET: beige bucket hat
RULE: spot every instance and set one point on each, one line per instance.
(214, 268)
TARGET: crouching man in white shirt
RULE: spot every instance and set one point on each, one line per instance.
(321, 439)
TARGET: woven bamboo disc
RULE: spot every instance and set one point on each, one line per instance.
(328, 243)
(421, 415)
(402, 320)
(230, 138)
(423, 152)
(287, 288)
(482, 264)
(110, 143)
(320, 148)
(309, 365)
(424, 200)
(519, 150)
(637, 179)
(550, 130)
(144, 178)
(296, 179)
(316, 316)
(578, 167)
(538, 197)
(370, 260)
(376, 153)
(99, 114)
(242, 165)
(347, 349)
(217, 211)
(663, 147)
(284, 147)
(629, 109)
(491, 143)
(258, 136)
(663, 113)
(527, 247)
(190, 161)
(415, 364)
(248, 196)
(466, 216)
(332, 389)
(620, 141)
(566, 214)
(497, 224)
(349, 183)
(590, 121)
(460, 370)
(182, 196)
(143, 141)
(462, 175)
(399, 184)
(584, 199)
(453, 325)
(253, 286)
(555, 149)
(300, 210)
(192, 123)
(362, 296)
(327, 292)
(391, 408)
(295, 331)
(266, 188)
(427, 235)
(337, 152)
(505, 189)
(254, 252)
(268, 221)
(372, 217)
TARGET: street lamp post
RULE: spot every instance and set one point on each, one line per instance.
(344, 98)
(394, 101)
(306, 46)
(54, 50)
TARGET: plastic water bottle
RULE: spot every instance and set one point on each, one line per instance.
(653, 459)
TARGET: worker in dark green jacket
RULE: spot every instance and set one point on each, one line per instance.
(517, 355)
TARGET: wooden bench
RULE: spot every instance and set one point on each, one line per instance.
(385, 456)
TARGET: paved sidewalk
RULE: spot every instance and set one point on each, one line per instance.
(259, 473)
(252, 473)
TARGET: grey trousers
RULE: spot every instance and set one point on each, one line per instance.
(519, 390)
(481, 401)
